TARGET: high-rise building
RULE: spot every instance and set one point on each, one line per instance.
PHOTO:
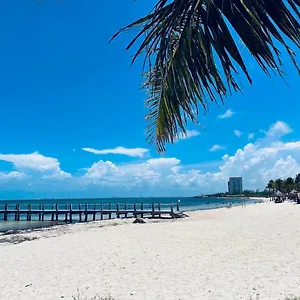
(235, 185)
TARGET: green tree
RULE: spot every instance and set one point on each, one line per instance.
(297, 181)
(279, 184)
(248, 192)
(289, 184)
(193, 53)
(271, 186)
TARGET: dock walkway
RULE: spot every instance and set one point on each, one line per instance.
(86, 212)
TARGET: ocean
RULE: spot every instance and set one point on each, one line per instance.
(186, 204)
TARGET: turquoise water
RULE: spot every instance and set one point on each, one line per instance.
(186, 204)
(22, 225)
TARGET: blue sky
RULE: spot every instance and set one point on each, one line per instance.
(63, 89)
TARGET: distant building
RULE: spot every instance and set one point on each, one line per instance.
(235, 185)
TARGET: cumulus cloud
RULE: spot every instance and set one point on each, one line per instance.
(163, 162)
(237, 133)
(256, 162)
(228, 114)
(216, 148)
(35, 162)
(133, 152)
(100, 169)
(149, 172)
(12, 174)
(189, 134)
(57, 174)
(278, 129)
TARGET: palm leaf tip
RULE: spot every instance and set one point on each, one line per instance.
(193, 58)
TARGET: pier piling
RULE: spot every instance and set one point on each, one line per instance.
(55, 212)
(5, 212)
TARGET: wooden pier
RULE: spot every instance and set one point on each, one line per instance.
(87, 212)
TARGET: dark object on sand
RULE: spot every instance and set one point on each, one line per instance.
(139, 220)
(178, 215)
(278, 200)
(16, 239)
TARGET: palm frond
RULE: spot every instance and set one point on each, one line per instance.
(193, 57)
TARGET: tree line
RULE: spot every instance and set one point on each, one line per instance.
(284, 185)
(246, 193)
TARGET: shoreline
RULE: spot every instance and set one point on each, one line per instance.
(42, 231)
(233, 197)
(19, 226)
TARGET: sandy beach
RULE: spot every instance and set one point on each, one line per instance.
(235, 253)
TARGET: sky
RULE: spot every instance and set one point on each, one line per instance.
(72, 113)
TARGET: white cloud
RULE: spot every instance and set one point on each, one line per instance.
(283, 168)
(133, 152)
(12, 174)
(101, 168)
(278, 129)
(237, 133)
(251, 136)
(216, 148)
(163, 162)
(189, 134)
(58, 174)
(35, 162)
(132, 174)
(228, 114)
(257, 162)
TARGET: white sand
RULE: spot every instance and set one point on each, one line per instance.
(263, 199)
(260, 199)
(224, 254)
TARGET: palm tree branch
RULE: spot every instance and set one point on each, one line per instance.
(193, 57)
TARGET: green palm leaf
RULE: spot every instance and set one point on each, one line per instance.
(192, 57)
